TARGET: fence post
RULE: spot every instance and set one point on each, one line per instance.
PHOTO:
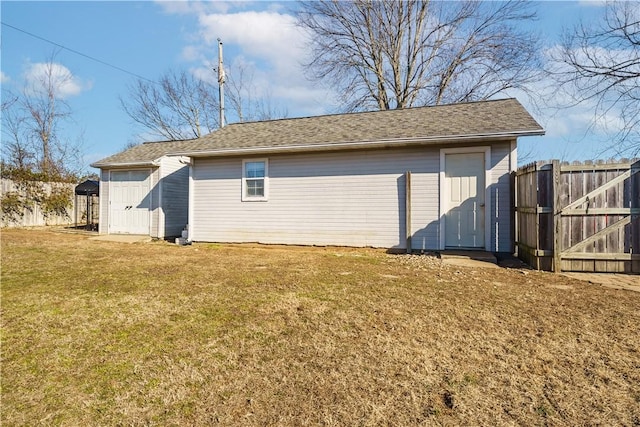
(634, 204)
(557, 218)
(513, 195)
(408, 210)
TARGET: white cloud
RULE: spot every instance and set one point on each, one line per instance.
(4, 78)
(38, 76)
(195, 7)
(181, 7)
(191, 53)
(270, 36)
(253, 30)
(267, 42)
(275, 45)
(593, 3)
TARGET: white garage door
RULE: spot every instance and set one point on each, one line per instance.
(130, 199)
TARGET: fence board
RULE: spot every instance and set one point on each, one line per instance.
(599, 204)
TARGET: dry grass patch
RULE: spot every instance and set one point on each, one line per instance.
(99, 333)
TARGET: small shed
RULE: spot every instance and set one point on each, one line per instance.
(87, 204)
(145, 190)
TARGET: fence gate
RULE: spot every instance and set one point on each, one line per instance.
(579, 217)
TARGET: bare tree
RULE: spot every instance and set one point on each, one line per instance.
(183, 106)
(179, 106)
(242, 96)
(45, 111)
(396, 54)
(16, 147)
(601, 64)
(266, 110)
(239, 97)
(31, 122)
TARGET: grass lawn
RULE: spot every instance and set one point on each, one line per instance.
(99, 333)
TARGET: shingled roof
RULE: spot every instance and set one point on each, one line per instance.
(463, 122)
(147, 153)
(444, 123)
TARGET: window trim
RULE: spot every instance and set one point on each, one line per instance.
(247, 198)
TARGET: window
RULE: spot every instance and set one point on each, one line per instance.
(255, 180)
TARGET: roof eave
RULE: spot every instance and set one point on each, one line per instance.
(114, 165)
(353, 145)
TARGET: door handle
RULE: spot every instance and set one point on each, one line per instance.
(482, 205)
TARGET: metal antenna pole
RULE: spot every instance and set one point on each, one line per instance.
(221, 80)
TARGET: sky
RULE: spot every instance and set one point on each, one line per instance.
(109, 44)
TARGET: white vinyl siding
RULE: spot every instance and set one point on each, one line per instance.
(354, 198)
(501, 198)
(104, 202)
(174, 198)
(155, 210)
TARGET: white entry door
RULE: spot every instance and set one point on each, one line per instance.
(130, 198)
(465, 204)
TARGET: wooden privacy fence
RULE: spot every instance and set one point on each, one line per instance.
(580, 216)
(32, 215)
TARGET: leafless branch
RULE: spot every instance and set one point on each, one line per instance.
(397, 54)
(600, 64)
(179, 106)
(247, 102)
